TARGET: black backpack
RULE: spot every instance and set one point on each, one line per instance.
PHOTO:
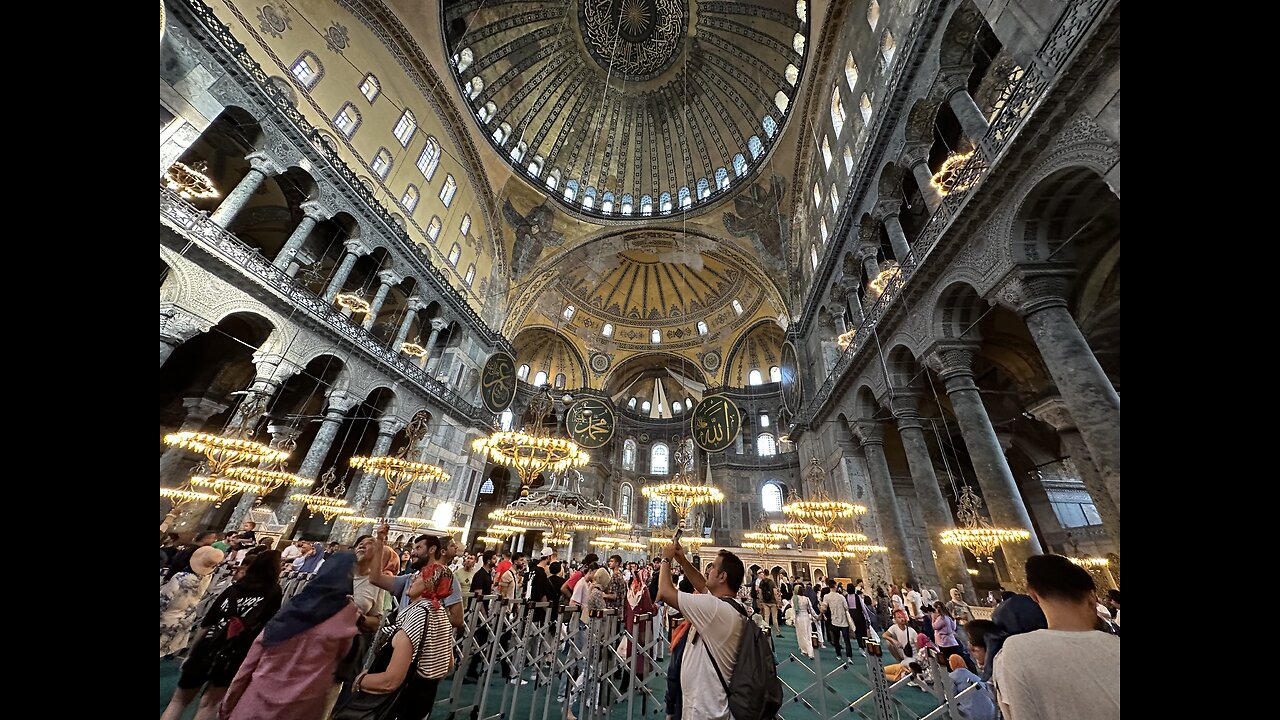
(766, 591)
(754, 691)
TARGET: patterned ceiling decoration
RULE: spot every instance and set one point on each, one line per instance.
(759, 349)
(550, 352)
(629, 109)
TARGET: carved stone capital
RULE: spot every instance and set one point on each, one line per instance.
(439, 325)
(416, 303)
(274, 369)
(391, 425)
(200, 409)
(341, 401)
(316, 211)
(906, 408)
(178, 326)
(282, 433)
(1029, 290)
(953, 79)
(951, 359)
(867, 249)
(1053, 411)
(356, 246)
(914, 153)
(390, 277)
(886, 209)
(263, 163)
(868, 432)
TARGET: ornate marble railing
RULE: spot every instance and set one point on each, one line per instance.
(1024, 98)
(307, 139)
(194, 225)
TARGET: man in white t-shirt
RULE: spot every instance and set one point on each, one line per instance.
(292, 552)
(1069, 670)
(717, 626)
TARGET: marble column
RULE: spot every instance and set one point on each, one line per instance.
(368, 483)
(972, 121)
(1090, 397)
(199, 410)
(870, 434)
(406, 323)
(260, 166)
(312, 213)
(897, 237)
(954, 364)
(437, 326)
(340, 402)
(354, 250)
(388, 278)
(937, 513)
(916, 157)
(856, 314)
(870, 265)
(1054, 411)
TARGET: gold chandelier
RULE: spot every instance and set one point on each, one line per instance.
(976, 533)
(399, 471)
(819, 509)
(692, 541)
(560, 509)
(190, 181)
(414, 349)
(328, 502)
(876, 287)
(683, 494)
(234, 447)
(532, 453)
(490, 540)
(1090, 563)
(358, 520)
(352, 302)
(947, 179)
(269, 480)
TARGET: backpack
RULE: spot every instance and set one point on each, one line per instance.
(754, 692)
(766, 591)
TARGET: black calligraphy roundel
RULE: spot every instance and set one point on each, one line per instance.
(792, 391)
(591, 422)
(498, 382)
(716, 423)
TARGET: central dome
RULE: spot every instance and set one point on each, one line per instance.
(629, 110)
(633, 39)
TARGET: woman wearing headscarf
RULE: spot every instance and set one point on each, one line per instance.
(288, 674)
(638, 602)
(234, 620)
(179, 597)
(804, 623)
(977, 704)
(311, 563)
(884, 610)
(1017, 614)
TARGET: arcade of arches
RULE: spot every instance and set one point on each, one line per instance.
(892, 238)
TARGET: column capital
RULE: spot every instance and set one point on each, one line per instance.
(1053, 411)
(315, 211)
(867, 250)
(954, 78)
(356, 246)
(886, 209)
(915, 153)
(1029, 290)
(868, 432)
(416, 303)
(263, 163)
(340, 401)
(439, 325)
(390, 277)
(179, 326)
(274, 369)
(390, 426)
(952, 359)
(201, 408)
(905, 406)
(282, 433)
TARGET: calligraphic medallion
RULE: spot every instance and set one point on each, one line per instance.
(591, 422)
(716, 423)
(498, 382)
(792, 393)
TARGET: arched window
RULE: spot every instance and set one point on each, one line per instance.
(817, 196)
(430, 158)
(704, 188)
(887, 48)
(369, 87)
(655, 337)
(646, 205)
(307, 70)
(826, 151)
(754, 378)
(771, 497)
(775, 374)
(835, 199)
(837, 113)
(486, 487)
(792, 74)
(873, 14)
(517, 152)
(502, 133)
(508, 417)
(797, 44)
(568, 312)
(850, 71)
(409, 200)
(405, 128)
(802, 10)
(628, 204)
(664, 203)
(702, 327)
(755, 146)
(685, 198)
(813, 255)
(464, 59)
(449, 189)
(607, 330)
(465, 226)
(347, 120)
(606, 202)
(676, 407)
(848, 160)
(659, 456)
(381, 164)
(866, 108)
(471, 275)
(553, 178)
(766, 446)
(535, 166)
(540, 379)
(433, 228)
(455, 253)
(737, 306)
(523, 372)
(487, 112)
(781, 100)
(571, 191)
(764, 420)
(631, 404)
(560, 380)
(770, 126)
(629, 446)
(624, 502)
(822, 227)
(657, 512)
(474, 87)
(722, 178)
(589, 198)
(739, 164)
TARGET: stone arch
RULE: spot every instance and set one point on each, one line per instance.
(902, 367)
(955, 45)
(919, 126)
(956, 313)
(866, 401)
(1057, 209)
(889, 187)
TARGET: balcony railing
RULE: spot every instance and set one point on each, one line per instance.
(1025, 96)
(194, 225)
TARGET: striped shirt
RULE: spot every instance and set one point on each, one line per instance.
(437, 655)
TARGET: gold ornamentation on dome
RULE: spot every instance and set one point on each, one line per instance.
(636, 39)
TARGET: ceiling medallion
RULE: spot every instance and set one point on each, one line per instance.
(599, 362)
(633, 39)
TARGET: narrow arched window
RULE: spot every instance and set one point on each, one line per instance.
(307, 70)
(430, 158)
(381, 164)
(775, 374)
(722, 178)
(754, 378)
(624, 502)
(740, 164)
(657, 511)
(659, 456)
(523, 372)
(704, 188)
(405, 128)
(837, 115)
(850, 71)
(771, 497)
(629, 446)
(540, 379)
(409, 200)
(449, 189)
(755, 146)
(766, 446)
(369, 87)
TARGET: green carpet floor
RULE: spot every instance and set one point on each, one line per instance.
(795, 671)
